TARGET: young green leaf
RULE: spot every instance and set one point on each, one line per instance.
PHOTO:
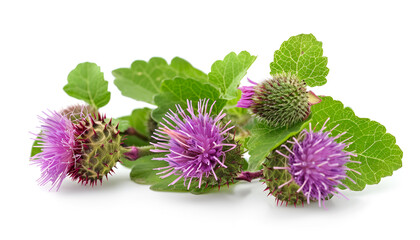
(179, 90)
(86, 82)
(265, 139)
(143, 79)
(302, 55)
(375, 148)
(227, 74)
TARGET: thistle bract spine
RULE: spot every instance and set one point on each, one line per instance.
(281, 101)
(99, 150)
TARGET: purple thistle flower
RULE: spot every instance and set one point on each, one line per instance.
(59, 147)
(78, 144)
(193, 143)
(317, 163)
(247, 95)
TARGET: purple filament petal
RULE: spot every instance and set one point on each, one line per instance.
(247, 94)
(58, 143)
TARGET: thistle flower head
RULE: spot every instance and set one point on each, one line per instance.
(193, 142)
(317, 164)
(76, 144)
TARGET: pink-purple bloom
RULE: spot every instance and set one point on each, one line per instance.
(193, 142)
(317, 163)
(247, 95)
(59, 146)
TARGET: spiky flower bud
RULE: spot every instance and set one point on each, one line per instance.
(76, 144)
(310, 167)
(279, 101)
(99, 150)
(275, 179)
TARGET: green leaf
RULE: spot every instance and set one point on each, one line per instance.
(179, 90)
(185, 69)
(140, 120)
(227, 74)
(375, 148)
(86, 82)
(265, 139)
(142, 171)
(163, 186)
(302, 55)
(143, 79)
(36, 147)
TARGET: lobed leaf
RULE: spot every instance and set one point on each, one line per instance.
(375, 148)
(143, 79)
(227, 74)
(179, 90)
(302, 55)
(86, 82)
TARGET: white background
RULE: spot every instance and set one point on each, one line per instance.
(373, 56)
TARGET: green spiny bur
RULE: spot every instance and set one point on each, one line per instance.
(281, 101)
(100, 151)
(234, 165)
(274, 178)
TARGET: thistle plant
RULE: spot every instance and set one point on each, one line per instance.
(194, 138)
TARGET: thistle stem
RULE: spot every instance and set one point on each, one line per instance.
(249, 176)
(133, 153)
